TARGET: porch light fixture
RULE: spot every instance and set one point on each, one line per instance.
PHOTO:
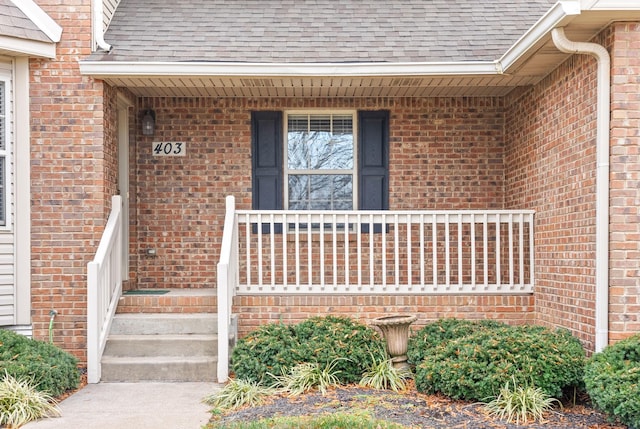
(148, 122)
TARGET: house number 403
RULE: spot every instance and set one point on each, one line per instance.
(169, 148)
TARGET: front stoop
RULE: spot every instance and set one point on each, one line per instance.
(170, 337)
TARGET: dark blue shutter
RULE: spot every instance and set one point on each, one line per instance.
(373, 165)
(266, 149)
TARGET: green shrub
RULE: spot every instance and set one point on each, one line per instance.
(276, 348)
(307, 376)
(477, 365)
(521, 404)
(383, 375)
(21, 403)
(434, 334)
(612, 379)
(238, 393)
(49, 368)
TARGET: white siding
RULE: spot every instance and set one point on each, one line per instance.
(7, 239)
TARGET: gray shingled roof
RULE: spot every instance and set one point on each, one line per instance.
(311, 31)
(14, 23)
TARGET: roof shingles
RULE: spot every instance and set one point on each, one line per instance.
(14, 23)
(314, 31)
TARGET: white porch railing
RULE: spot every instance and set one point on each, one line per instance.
(104, 287)
(409, 252)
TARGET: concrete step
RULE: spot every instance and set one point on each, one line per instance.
(161, 345)
(134, 369)
(164, 323)
(203, 300)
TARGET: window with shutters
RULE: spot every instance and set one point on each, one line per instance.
(320, 164)
(3, 153)
(335, 160)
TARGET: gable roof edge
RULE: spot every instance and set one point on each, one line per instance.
(40, 18)
(559, 15)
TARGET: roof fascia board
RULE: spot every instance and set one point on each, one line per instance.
(32, 48)
(559, 15)
(40, 18)
(610, 5)
(150, 69)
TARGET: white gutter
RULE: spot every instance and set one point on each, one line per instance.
(98, 26)
(150, 69)
(602, 177)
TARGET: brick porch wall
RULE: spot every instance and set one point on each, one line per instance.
(445, 153)
(258, 310)
(71, 178)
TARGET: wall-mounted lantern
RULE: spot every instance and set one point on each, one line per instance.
(148, 122)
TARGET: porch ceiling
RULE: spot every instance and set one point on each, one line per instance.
(318, 86)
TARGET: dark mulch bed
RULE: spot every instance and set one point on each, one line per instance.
(412, 410)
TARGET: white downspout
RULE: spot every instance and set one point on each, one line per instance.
(602, 177)
(98, 27)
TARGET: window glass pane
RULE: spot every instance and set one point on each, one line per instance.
(321, 192)
(320, 142)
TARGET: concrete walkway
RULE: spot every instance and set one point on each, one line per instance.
(133, 405)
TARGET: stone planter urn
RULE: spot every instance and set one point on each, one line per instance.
(395, 330)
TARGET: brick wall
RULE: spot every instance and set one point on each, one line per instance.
(551, 167)
(445, 153)
(625, 182)
(69, 179)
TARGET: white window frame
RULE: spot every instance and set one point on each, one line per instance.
(5, 77)
(285, 165)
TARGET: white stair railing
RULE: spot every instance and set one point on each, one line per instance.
(227, 286)
(104, 288)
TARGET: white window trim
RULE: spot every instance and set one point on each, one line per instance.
(5, 77)
(285, 144)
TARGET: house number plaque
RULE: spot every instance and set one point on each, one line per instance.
(169, 148)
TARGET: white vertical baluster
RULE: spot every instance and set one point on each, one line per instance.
(347, 267)
(359, 251)
(309, 253)
(247, 231)
(447, 252)
(485, 249)
(498, 253)
(384, 252)
(322, 251)
(521, 248)
(260, 252)
(422, 275)
(396, 248)
(511, 260)
(285, 255)
(334, 236)
(473, 251)
(434, 245)
(272, 243)
(297, 238)
(409, 265)
(371, 264)
(460, 282)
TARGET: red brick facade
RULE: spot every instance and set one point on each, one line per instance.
(624, 302)
(71, 177)
(534, 149)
